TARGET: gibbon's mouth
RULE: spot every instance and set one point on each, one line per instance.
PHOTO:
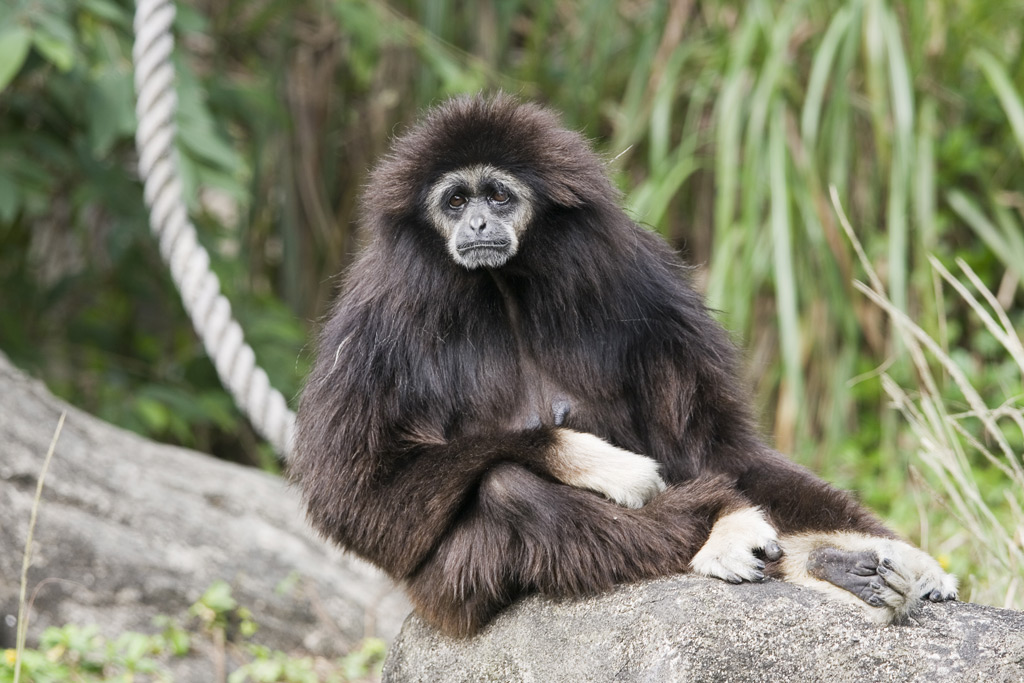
(492, 245)
(484, 254)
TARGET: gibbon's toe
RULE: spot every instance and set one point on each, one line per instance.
(771, 551)
(934, 584)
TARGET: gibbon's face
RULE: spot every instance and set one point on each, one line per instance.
(482, 212)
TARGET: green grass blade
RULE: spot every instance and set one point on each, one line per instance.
(984, 228)
(821, 72)
(902, 100)
(785, 276)
(1005, 91)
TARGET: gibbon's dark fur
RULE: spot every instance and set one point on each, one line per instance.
(418, 446)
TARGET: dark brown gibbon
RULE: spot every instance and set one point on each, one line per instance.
(519, 391)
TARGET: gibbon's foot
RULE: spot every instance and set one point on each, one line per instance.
(861, 573)
(587, 462)
(732, 549)
(892, 577)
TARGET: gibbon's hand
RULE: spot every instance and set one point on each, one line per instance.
(730, 553)
(588, 462)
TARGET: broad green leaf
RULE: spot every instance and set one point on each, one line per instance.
(153, 414)
(14, 44)
(105, 9)
(111, 111)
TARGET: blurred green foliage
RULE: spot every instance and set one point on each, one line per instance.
(217, 624)
(724, 122)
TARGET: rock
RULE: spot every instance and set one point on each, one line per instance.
(129, 529)
(687, 628)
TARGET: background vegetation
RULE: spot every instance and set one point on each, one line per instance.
(725, 124)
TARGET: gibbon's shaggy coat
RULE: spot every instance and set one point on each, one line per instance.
(460, 423)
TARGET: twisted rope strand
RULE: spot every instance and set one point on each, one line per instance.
(186, 258)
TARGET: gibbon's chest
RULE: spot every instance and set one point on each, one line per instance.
(542, 366)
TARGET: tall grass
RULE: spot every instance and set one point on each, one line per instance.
(958, 431)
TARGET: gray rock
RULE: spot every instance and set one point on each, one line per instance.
(129, 529)
(687, 628)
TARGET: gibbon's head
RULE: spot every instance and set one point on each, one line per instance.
(482, 172)
(481, 212)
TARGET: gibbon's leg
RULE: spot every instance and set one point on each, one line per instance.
(834, 544)
(525, 533)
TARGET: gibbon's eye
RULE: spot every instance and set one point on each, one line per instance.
(500, 196)
(457, 201)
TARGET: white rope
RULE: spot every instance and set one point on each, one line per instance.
(188, 261)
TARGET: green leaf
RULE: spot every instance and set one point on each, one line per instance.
(14, 44)
(104, 9)
(111, 113)
(134, 646)
(153, 414)
(179, 641)
(218, 597)
(58, 52)
(821, 75)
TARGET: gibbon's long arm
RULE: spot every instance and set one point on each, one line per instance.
(797, 501)
(435, 479)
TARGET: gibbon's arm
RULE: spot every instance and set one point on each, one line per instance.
(798, 501)
(435, 481)
(588, 462)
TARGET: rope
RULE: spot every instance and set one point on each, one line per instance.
(188, 261)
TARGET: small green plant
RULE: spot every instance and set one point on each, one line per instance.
(217, 608)
(273, 666)
(366, 660)
(81, 653)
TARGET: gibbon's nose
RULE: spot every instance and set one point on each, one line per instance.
(477, 223)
